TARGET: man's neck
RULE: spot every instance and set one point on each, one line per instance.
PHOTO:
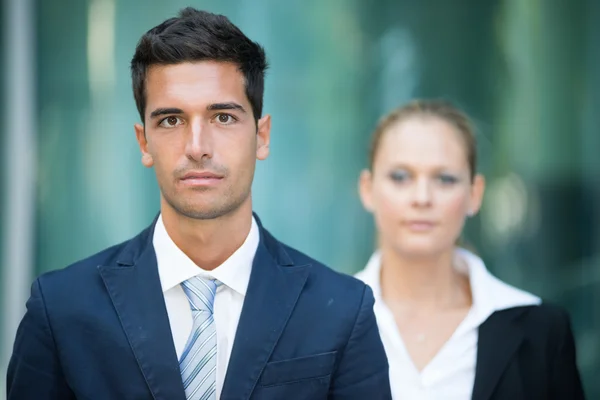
(208, 243)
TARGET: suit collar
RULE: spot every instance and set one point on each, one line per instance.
(274, 288)
(133, 249)
(133, 284)
(489, 293)
(134, 288)
(175, 267)
(500, 336)
(275, 248)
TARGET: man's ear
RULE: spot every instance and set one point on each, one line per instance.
(140, 135)
(263, 136)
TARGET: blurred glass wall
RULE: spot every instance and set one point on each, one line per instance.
(527, 71)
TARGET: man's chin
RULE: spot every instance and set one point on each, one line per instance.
(202, 206)
(202, 213)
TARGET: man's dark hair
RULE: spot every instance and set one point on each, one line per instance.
(199, 36)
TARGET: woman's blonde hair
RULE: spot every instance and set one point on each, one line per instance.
(441, 109)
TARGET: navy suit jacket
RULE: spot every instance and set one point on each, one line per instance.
(99, 329)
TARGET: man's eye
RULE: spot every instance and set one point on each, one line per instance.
(225, 119)
(170, 122)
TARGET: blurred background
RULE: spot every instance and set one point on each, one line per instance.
(527, 71)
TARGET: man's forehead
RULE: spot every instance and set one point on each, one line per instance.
(208, 80)
(204, 72)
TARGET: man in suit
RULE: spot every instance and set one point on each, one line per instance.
(204, 303)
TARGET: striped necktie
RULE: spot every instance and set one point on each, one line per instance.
(198, 363)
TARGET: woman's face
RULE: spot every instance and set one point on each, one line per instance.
(420, 188)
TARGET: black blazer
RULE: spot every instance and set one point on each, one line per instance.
(527, 353)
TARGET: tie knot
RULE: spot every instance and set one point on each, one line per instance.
(201, 293)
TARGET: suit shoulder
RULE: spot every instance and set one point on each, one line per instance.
(550, 325)
(545, 314)
(540, 320)
(548, 310)
(333, 298)
(83, 267)
(331, 279)
(550, 315)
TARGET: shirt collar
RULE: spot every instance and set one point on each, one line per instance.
(488, 292)
(174, 267)
(371, 275)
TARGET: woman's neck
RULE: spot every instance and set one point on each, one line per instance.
(427, 283)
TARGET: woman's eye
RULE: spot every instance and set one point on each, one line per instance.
(398, 176)
(448, 179)
(170, 122)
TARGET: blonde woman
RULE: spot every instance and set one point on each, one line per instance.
(451, 330)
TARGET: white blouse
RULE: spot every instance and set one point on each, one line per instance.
(450, 375)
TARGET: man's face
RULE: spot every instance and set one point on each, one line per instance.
(201, 137)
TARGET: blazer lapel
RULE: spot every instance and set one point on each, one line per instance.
(274, 287)
(499, 338)
(134, 288)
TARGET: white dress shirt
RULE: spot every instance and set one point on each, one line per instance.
(174, 267)
(450, 375)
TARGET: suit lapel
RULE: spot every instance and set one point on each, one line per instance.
(499, 338)
(134, 288)
(274, 287)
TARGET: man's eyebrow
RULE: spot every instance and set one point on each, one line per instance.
(164, 111)
(226, 106)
